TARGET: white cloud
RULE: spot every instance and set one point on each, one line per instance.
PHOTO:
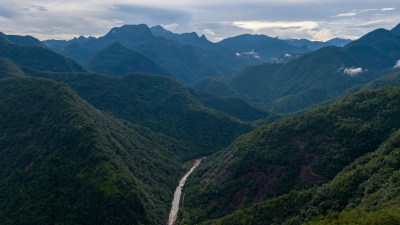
(171, 27)
(387, 9)
(346, 14)
(258, 25)
(353, 71)
(284, 18)
(208, 32)
(252, 53)
(369, 23)
(397, 64)
(367, 10)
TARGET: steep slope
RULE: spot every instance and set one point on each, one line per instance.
(260, 46)
(161, 104)
(292, 154)
(366, 192)
(233, 106)
(77, 52)
(390, 80)
(65, 162)
(318, 76)
(185, 62)
(9, 69)
(117, 60)
(38, 58)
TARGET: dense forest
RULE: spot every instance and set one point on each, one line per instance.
(100, 130)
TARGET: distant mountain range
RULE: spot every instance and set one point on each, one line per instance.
(314, 77)
(186, 56)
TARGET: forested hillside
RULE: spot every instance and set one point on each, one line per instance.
(163, 105)
(65, 162)
(294, 154)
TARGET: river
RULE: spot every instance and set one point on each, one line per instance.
(177, 196)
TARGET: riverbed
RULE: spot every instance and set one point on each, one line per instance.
(177, 195)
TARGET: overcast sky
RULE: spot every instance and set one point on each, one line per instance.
(217, 19)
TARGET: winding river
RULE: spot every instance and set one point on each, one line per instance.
(177, 196)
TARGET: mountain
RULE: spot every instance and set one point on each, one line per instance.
(261, 46)
(363, 193)
(38, 58)
(315, 45)
(165, 106)
(185, 38)
(118, 60)
(65, 162)
(390, 80)
(339, 42)
(315, 77)
(225, 59)
(76, 51)
(298, 153)
(185, 62)
(9, 69)
(27, 41)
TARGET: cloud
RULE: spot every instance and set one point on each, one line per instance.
(397, 64)
(346, 14)
(367, 10)
(171, 27)
(352, 71)
(311, 19)
(259, 25)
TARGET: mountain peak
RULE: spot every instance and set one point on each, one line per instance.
(130, 32)
(158, 28)
(396, 29)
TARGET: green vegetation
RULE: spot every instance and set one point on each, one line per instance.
(292, 154)
(118, 60)
(185, 62)
(65, 162)
(163, 105)
(313, 78)
(39, 58)
(9, 69)
(266, 48)
(391, 80)
(366, 192)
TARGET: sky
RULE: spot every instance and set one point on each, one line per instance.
(216, 19)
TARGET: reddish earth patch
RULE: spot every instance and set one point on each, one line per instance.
(309, 159)
(265, 181)
(308, 175)
(238, 199)
(29, 167)
(302, 140)
(220, 201)
(44, 118)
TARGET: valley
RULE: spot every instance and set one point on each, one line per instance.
(142, 125)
